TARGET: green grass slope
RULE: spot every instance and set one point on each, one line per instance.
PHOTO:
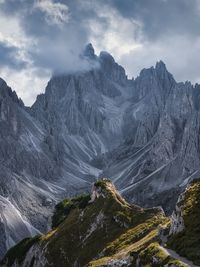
(91, 232)
(104, 226)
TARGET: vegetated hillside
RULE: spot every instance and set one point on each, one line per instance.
(187, 242)
(101, 230)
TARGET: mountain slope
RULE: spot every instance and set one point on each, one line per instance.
(105, 231)
(185, 229)
(143, 133)
(138, 132)
(107, 217)
(25, 166)
(81, 113)
(160, 150)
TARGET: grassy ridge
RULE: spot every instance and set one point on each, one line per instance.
(109, 225)
(92, 234)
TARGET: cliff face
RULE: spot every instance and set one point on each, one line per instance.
(177, 221)
(142, 133)
(25, 167)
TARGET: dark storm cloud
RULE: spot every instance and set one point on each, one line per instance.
(159, 17)
(58, 30)
(162, 17)
(9, 57)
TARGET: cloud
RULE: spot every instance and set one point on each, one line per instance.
(179, 53)
(46, 38)
(10, 56)
(56, 34)
(162, 17)
(141, 32)
(38, 37)
(117, 34)
(28, 83)
(55, 13)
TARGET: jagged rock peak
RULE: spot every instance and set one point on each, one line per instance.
(6, 92)
(112, 70)
(89, 51)
(106, 57)
(160, 65)
(159, 68)
(104, 187)
(2, 82)
(162, 71)
(162, 78)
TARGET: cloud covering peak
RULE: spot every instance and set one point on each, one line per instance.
(39, 37)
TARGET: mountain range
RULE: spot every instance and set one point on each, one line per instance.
(104, 230)
(143, 133)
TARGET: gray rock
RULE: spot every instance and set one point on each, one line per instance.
(142, 133)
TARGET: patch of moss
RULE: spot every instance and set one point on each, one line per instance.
(187, 243)
(63, 208)
(18, 252)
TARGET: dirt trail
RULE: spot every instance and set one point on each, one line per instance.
(174, 255)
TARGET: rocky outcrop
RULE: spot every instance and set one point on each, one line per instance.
(94, 194)
(177, 221)
(119, 263)
(184, 231)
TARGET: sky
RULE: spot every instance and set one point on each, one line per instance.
(38, 37)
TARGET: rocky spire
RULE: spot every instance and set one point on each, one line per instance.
(160, 65)
(89, 52)
(113, 70)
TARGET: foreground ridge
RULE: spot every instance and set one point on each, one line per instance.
(101, 229)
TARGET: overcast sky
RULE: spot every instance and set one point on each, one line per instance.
(40, 36)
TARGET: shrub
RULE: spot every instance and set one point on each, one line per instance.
(63, 208)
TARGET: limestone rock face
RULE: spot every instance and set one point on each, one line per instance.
(27, 171)
(143, 133)
(177, 221)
